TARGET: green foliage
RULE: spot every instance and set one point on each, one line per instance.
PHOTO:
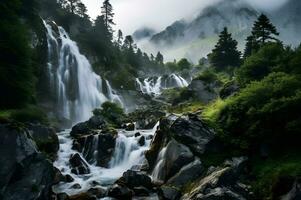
(266, 111)
(16, 72)
(208, 76)
(111, 112)
(184, 64)
(225, 53)
(261, 63)
(31, 114)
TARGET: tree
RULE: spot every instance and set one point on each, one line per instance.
(184, 64)
(119, 38)
(71, 5)
(159, 58)
(225, 53)
(264, 30)
(128, 42)
(251, 46)
(107, 12)
(82, 10)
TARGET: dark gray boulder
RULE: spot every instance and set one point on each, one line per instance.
(193, 132)
(204, 92)
(134, 179)
(46, 139)
(188, 173)
(78, 165)
(24, 172)
(229, 90)
(169, 193)
(120, 192)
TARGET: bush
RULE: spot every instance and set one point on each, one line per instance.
(111, 112)
(31, 114)
(266, 111)
(208, 76)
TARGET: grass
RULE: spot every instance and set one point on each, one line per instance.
(211, 111)
(189, 107)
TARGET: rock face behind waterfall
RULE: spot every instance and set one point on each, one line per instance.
(24, 172)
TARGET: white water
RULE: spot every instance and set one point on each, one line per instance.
(156, 174)
(155, 85)
(127, 154)
(77, 90)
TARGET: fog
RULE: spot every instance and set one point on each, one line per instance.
(131, 15)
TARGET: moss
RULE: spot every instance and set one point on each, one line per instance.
(189, 107)
(29, 114)
(211, 111)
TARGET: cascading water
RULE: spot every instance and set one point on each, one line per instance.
(128, 153)
(155, 85)
(75, 88)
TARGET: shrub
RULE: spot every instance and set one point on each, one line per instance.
(111, 112)
(29, 114)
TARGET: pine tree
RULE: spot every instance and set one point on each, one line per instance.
(264, 30)
(225, 53)
(119, 38)
(159, 58)
(107, 12)
(128, 42)
(251, 46)
(82, 10)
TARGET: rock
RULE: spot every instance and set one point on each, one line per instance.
(82, 196)
(192, 132)
(146, 118)
(141, 141)
(141, 191)
(69, 178)
(78, 165)
(149, 137)
(169, 193)
(24, 171)
(62, 196)
(120, 192)
(188, 173)
(130, 127)
(202, 91)
(80, 129)
(135, 179)
(137, 134)
(98, 192)
(287, 188)
(229, 90)
(102, 143)
(96, 122)
(218, 184)
(45, 138)
(175, 157)
(76, 186)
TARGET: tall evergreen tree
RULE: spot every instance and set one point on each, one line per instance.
(82, 10)
(119, 38)
(251, 45)
(159, 58)
(264, 30)
(225, 53)
(107, 12)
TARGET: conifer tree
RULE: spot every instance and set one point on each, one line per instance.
(159, 58)
(225, 53)
(264, 30)
(107, 12)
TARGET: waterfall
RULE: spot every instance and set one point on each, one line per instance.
(128, 154)
(155, 85)
(75, 88)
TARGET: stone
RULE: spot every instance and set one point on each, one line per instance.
(137, 134)
(76, 186)
(133, 179)
(130, 127)
(141, 141)
(78, 165)
(97, 191)
(120, 192)
(169, 193)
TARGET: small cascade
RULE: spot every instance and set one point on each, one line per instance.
(155, 85)
(73, 86)
(128, 154)
(157, 171)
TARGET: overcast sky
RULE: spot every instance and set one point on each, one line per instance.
(131, 15)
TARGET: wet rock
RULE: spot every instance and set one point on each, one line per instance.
(62, 196)
(24, 171)
(141, 141)
(80, 129)
(98, 192)
(130, 127)
(192, 132)
(76, 186)
(188, 173)
(204, 92)
(135, 179)
(120, 192)
(287, 188)
(45, 138)
(69, 178)
(96, 122)
(149, 137)
(219, 193)
(137, 134)
(146, 118)
(78, 165)
(169, 193)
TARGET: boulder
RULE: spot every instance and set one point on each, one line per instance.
(82, 196)
(120, 192)
(229, 90)
(141, 141)
(193, 132)
(46, 139)
(78, 165)
(133, 179)
(169, 193)
(287, 188)
(204, 92)
(141, 191)
(219, 182)
(137, 134)
(80, 129)
(188, 173)
(176, 156)
(24, 172)
(97, 191)
(96, 122)
(130, 127)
